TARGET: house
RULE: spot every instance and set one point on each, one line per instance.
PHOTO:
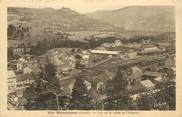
(136, 71)
(174, 69)
(93, 93)
(158, 79)
(122, 55)
(132, 55)
(82, 60)
(61, 58)
(27, 50)
(29, 61)
(23, 81)
(136, 74)
(149, 47)
(19, 82)
(20, 64)
(104, 52)
(34, 65)
(151, 74)
(18, 51)
(132, 46)
(111, 73)
(100, 48)
(117, 43)
(144, 41)
(102, 35)
(170, 62)
(11, 81)
(12, 65)
(11, 74)
(135, 97)
(66, 86)
(88, 84)
(147, 84)
(100, 86)
(106, 45)
(150, 50)
(85, 52)
(66, 91)
(141, 86)
(85, 56)
(22, 59)
(85, 60)
(27, 70)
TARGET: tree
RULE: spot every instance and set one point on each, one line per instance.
(27, 29)
(170, 74)
(166, 97)
(22, 35)
(118, 97)
(45, 45)
(10, 52)
(92, 42)
(33, 94)
(44, 92)
(28, 35)
(145, 102)
(45, 101)
(11, 30)
(170, 97)
(38, 49)
(80, 99)
(50, 75)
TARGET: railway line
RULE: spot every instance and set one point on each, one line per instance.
(115, 62)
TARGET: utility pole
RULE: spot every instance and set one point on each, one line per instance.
(102, 105)
(57, 101)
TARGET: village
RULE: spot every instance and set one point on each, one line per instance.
(144, 65)
(60, 59)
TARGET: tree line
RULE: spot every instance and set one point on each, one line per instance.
(18, 32)
(118, 97)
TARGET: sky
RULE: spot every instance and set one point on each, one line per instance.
(81, 6)
(84, 6)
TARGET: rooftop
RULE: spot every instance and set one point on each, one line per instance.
(104, 52)
(159, 79)
(11, 74)
(150, 73)
(148, 46)
(23, 77)
(136, 71)
(170, 62)
(147, 83)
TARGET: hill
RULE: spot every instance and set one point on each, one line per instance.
(64, 18)
(140, 18)
(34, 24)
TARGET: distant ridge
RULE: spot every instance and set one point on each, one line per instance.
(142, 18)
(71, 19)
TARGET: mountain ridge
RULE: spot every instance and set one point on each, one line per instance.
(64, 16)
(146, 18)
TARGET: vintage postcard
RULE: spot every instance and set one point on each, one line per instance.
(91, 58)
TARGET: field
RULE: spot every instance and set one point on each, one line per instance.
(81, 35)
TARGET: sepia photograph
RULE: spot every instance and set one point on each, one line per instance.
(102, 59)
